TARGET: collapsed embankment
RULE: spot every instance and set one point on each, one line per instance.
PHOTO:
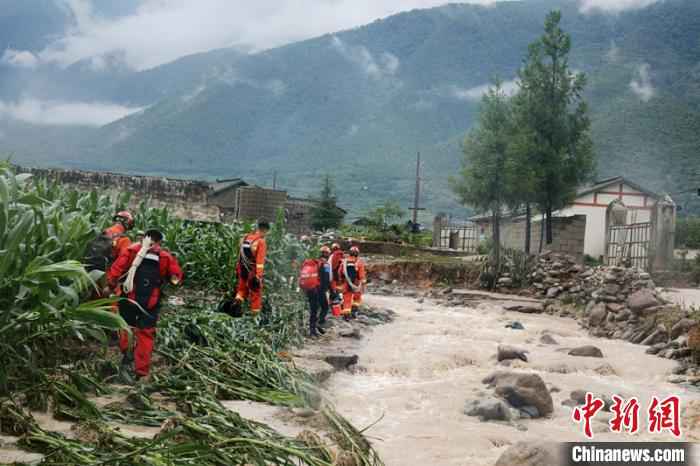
(424, 271)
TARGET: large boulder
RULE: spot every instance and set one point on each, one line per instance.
(641, 300)
(522, 391)
(489, 409)
(588, 351)
(530, 454)
(341, 362)
(510, 352)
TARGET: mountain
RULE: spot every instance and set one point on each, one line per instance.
(359, 104)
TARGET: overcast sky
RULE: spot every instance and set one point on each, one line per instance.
(163, 30)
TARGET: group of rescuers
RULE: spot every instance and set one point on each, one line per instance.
(137, 271)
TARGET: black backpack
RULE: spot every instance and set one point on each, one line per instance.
(351, 271)
(146, 280)
(99, 253)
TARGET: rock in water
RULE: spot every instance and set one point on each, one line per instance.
(319, 370)
(341, 362)
(530, 454)
(490, 409)
(521, 390)
(510, 352)
(588, 351)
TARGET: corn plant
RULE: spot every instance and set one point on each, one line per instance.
(43, 236)
(46, 333)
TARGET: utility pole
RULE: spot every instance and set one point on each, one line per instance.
(416, 199)
(274, 179)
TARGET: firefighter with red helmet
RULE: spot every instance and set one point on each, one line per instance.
(353, 280)
(123, 222)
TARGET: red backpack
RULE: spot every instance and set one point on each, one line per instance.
(309, 278)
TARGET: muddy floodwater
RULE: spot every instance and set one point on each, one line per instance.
(416, 374)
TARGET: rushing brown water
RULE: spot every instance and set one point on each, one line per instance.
(418, 372)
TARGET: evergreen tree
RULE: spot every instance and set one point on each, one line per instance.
(552, 116)
(326, 214)
(486, 179)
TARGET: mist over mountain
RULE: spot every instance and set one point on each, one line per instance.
(357, 104)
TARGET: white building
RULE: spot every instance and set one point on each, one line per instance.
(593, 202)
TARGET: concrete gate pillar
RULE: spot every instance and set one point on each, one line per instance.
(664, 233)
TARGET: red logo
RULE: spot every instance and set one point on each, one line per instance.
(587, 412)
(663, 415)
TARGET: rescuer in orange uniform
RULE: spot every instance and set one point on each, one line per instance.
(140, 307)
(251, 268)
(123, 222)
(354, 278)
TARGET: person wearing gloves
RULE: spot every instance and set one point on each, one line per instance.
(141, 271)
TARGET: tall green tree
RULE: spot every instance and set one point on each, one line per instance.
(326, 214)
(553, 119)
(485, 180)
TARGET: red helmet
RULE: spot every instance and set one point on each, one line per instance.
(335, 246)
(325, 251)
(354, 251)
(125, 218)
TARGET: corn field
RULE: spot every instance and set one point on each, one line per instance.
(54, 352)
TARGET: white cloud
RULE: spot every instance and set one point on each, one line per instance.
(614, 6)
(641, 85)
(59, 113)
(163, 30)
(19, 58)
(476, 93)
(387, 64)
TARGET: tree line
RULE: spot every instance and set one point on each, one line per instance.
(532, 149)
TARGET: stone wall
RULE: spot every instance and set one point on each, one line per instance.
(186, 199)
(568, 233)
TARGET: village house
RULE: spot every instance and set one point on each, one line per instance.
(583, 227)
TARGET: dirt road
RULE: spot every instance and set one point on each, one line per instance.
(418, 372)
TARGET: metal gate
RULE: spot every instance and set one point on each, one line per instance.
(629, 245)
(461, 236)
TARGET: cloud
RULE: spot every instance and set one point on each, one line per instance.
(641, 85)
(386, 64)
(160, 31)
(59, 113)
(474, 94)
(19, 58)
(614, 6)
